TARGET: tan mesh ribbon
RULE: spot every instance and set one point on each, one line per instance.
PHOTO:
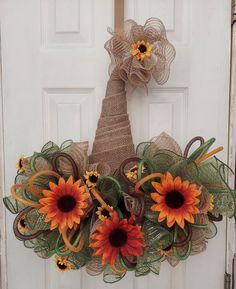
(113, 142)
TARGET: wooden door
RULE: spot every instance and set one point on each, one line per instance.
(54, 74)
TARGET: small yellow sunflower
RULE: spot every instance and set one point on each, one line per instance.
(62, 264)
(104, 213)
(141, 49)
(91, 178)
(20, 164)
(132, 173)
(22, 226)
(211, 205)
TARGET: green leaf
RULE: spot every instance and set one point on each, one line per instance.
(211, 231)
(109, 276)
(155, 267)
(141, 270)
(11, 204)
(49, 148)
(156, 236)
(65, 145)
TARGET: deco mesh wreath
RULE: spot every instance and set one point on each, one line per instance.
(120, 209)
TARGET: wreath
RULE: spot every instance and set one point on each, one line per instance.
(121, 209)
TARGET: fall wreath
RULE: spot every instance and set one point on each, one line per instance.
(122, 209)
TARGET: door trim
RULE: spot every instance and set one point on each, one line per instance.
(3, 261)
(230, 223)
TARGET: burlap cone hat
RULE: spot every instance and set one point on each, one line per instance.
(137, 54)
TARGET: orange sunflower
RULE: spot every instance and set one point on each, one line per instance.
(64, 203)
(116, 237)
(176, 200)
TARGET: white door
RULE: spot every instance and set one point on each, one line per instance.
(54, 73)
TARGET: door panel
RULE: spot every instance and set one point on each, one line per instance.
(54, 78)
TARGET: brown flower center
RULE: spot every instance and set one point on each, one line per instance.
(93, 179)
(22, 223)
(174, 199)
(105, 213)
(61, 266)
(142, 48)
(118, 237)
(66, 203)
(21, 163)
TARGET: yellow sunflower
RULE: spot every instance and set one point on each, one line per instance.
(132, 173)
(103, 213)
(64, 204)
(91, 178)
(62, 264)
(141, 49)
(20, 164)
(22, 226)
(211, 205)
(176, 200)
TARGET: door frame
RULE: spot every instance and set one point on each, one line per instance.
(3, 260)
(230, 223)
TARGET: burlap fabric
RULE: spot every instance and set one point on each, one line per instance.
(113, 142)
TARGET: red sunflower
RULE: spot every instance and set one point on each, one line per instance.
(116, 237)
(64, 203)
(176, 200)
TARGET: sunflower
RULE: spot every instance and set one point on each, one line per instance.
(141, 49)
(22, 226)
(91, 178)
(176, 200)
(132, 173)
(62, 264)
(63, 204)
(20, 164)
(116, 237)
(103, 213)
(211, 205)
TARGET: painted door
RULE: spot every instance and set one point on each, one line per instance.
(54, 73)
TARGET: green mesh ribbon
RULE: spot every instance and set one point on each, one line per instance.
(128, 196)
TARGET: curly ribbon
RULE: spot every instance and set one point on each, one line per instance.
(188, 236)
(191, 142)
(21, 200)
(68, 244)
(67, 247)
(188, 250)
(100, 200)
(208, 155)
(109, 178)
(213, 218)
(59, 155)
(32, 188)
(18, 233)
(200, 154)
(145, 179)
(34, 158)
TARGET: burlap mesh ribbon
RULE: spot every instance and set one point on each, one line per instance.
(137, 53)
(113, 142)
